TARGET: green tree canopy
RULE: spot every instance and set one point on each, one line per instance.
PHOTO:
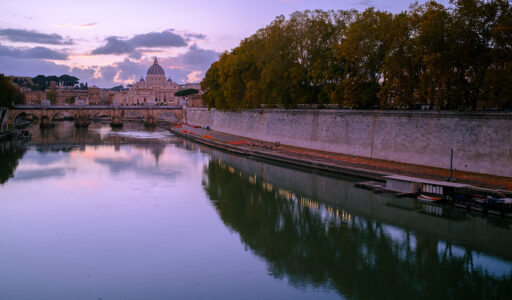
(9, 94)
(68, 80)
(70, 99)
(455, 57)
(186, 92)
(52, 96)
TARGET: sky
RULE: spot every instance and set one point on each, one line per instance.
(109, 42)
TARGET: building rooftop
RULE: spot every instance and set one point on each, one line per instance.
(428, 181)
(156, 69)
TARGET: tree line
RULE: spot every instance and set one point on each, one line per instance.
(457, 57)
(10, 95)
(41, 82)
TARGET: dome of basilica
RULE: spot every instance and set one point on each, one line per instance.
(155, 69)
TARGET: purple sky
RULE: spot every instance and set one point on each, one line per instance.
(109, 43)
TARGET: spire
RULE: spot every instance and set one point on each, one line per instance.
(155, 62)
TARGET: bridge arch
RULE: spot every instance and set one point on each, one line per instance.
(17, 114)
(167, 115)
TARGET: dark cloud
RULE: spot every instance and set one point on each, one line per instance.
(179, 67)
(108, 73)
(30, 67)
(135, 55)
(166, 38)
(198, 36)
(129, 69)
(31, 36)
(36, 52)
(116, 45)
(195, 58)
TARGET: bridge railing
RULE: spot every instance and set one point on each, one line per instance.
(91, 107)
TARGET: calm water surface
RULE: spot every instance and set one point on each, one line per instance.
(137, 214)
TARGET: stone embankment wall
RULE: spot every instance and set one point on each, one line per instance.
(482, 142)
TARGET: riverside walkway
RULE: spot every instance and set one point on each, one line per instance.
(334, 162)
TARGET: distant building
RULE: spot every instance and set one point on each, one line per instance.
(194, 101)
(155, 88)
(31, 97)
(196, 86)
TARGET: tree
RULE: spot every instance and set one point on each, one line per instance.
(68, 80)
(117, 88)
(186, 92)
(70, 99)
(455, 57)
(9, 94)
(367, 42)
(52, 96)
(40, 82)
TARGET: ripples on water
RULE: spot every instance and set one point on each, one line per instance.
(137, 214)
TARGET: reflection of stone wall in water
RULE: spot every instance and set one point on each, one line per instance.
(359, 256)
(482, 142)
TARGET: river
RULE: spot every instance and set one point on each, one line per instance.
(140, 214)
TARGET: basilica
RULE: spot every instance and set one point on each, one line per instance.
(154, 89)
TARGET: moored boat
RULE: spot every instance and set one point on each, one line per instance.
(427, 198)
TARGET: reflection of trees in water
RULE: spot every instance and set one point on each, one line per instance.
(352, 254)
(10, 154)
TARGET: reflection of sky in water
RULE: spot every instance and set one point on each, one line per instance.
(134, 222)
(494, 266)
(120, 223)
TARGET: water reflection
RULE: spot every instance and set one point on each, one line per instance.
(137, 214)
(10, 153)
(55, 144)
(320, 230)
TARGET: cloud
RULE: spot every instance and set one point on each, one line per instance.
(116, 45)
(186, 67)
(30, 67)
(363, 3)
(195, 58)
(166, 38)
(88, 25)
(195, 76)
(31, 36)
(130, 70)
(81, 26)
(198, 36)
(36, 52)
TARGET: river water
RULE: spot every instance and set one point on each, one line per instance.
(138, 214)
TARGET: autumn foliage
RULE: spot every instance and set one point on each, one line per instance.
(455, 57)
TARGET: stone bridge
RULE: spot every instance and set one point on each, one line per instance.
(83, 114)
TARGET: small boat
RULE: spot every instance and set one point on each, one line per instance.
(427, 198)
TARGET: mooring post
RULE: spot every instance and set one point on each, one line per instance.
(450, 178)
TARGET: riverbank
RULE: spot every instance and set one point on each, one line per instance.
(481, 141)
(374, 169)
